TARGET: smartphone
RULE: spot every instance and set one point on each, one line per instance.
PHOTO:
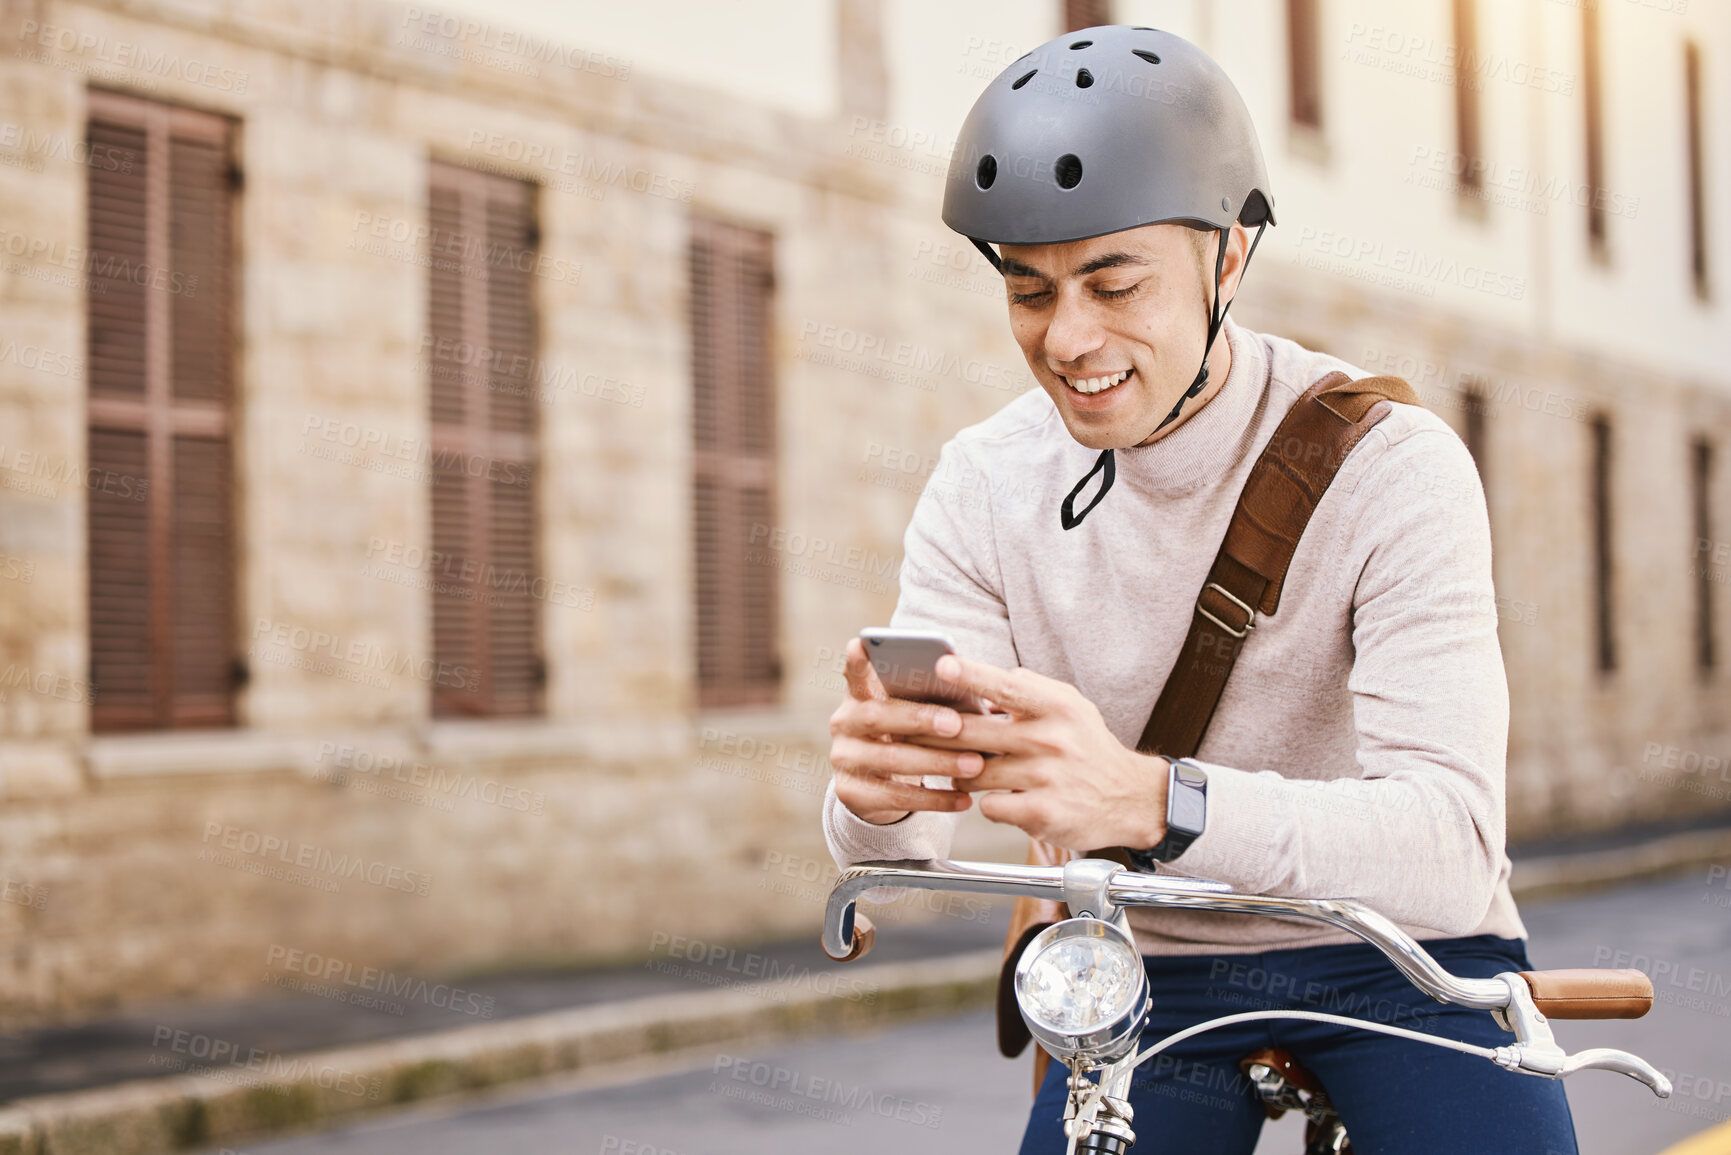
(906, 662)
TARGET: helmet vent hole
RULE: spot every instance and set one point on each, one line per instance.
(1024, 78)
(1146, 55)
(1068, 170)
(1144, 28)
(1080, 44)
(987, 172)
(1084, 78)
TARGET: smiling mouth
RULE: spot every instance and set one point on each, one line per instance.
(1092, 385)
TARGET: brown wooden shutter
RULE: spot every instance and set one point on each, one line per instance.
(1701, 502)
(1304, 62)
(734, 444)
(1086, 14)
(1476, 404)
(1467, 123)
(1697, 175)
(1604, 557)
(1593, 105)
(483, 403)
(160, 308)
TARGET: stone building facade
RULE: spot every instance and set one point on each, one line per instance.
(339, 819)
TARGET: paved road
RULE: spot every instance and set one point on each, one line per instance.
(939, 1086)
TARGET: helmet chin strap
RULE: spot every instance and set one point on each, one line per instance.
(1105, 463)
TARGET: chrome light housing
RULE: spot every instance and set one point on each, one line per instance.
(1082, 990)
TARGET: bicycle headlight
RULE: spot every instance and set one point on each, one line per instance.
(1082, 990)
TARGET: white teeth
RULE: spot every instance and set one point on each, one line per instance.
(1098, 384)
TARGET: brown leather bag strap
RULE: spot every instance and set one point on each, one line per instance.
(1279, 497)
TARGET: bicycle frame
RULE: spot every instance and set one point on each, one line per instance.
(1104, 890)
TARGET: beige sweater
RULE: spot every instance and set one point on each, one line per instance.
(1358, 750)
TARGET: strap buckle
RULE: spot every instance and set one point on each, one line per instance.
(1249, 613)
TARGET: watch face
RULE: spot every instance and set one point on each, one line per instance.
(1187, 810)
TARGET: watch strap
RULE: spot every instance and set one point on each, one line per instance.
(1176, 840)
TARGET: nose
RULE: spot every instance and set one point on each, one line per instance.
(1074, 331)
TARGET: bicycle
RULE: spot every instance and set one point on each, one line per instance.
(1083, 992)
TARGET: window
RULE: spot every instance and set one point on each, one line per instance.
(1701, 477)
(733, 441)
(1304, 62)
(1592, 85)
(1602, 554)
(1697, 168)
(1467, 126)
(159, 300)
(486, 629)
(1086, 14)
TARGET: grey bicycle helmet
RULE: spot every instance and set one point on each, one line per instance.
(1102, 130)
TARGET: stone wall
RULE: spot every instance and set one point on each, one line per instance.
(338, 820)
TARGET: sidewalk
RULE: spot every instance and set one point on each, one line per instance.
(240, 1069)
(132, 1045)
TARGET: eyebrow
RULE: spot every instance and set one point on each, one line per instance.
(1015, 268)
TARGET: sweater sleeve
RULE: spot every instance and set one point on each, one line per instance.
(950, 581)
(1417, 832)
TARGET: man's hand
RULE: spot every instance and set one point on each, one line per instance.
(872, 750)
(1070, 781)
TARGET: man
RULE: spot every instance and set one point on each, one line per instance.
(1358, 749)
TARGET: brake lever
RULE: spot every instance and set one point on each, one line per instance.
(1622, 1062)
(1535, 1050)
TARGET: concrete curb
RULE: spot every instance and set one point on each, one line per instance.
(1555, 876)
(281, 1094)
(277, 1094)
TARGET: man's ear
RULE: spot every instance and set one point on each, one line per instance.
(1237, 248)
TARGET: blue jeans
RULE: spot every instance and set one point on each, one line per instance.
(1396, 1097)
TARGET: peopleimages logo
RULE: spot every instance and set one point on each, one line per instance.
(357, 653)
(39, 256)
(810, 547)
(587, 168)
(125, 54)
(451, 250)
(1400, 266)
(340, 762)
(536, 49)
(905, 362)
(319, 859)
(327, 969)
(208, 1056)
(38, 146)
(1539, 189)
(802, 1093)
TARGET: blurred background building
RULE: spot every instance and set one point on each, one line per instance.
(444, 449)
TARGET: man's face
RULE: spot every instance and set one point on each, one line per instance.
(1127, 311)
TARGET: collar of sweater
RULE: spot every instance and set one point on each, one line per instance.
(1208, 443)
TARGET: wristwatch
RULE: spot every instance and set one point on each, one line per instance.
(1186, 815)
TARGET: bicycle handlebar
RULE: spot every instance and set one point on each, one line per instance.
(1101, 886)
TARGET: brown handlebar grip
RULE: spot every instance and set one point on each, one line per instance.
(1590, 994)
(864, 934)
